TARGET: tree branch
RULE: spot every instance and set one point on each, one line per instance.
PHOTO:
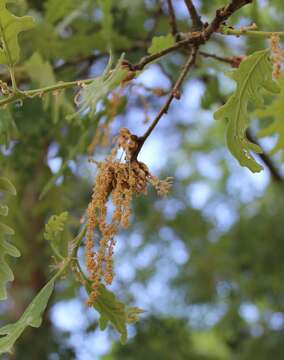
(275, 174)
(222, 15)
(175, 94)
(197, 24)
(173, 20)
(234, 61)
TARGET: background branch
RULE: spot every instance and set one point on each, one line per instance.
(197, 24)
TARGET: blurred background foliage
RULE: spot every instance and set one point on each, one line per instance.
(205, 263)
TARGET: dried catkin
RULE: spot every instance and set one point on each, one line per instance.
(116, 181)
(277, 55)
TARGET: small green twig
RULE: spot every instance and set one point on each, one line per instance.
(225, 30)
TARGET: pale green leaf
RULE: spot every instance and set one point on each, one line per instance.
(42, 74)
(31, 317)
(276, 111)
(4, 210)
(56, 10)
(253, 76)
(40, 71)
(90, 95)
(7, 186)
(113, 311)
(107, 20)
(10, 27)
(8, 128)
(160, 43)
(6, 273)
(53, 230)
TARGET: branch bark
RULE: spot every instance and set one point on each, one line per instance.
(197, 24)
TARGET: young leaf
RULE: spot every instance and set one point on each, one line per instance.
(10, 27)
(6, 273)
(160, 43)
(7, 186)
(276, 111)
(56, 10)
(89, 96)
(53, 229)
(8, 128)
(113, 311)
(40, 71)
(31, 317)
(107, 21)
(6, 248)
(253, 75)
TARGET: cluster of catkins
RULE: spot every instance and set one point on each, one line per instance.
(277, 54)
(117, 181)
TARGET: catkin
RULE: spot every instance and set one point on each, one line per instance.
(117, 181)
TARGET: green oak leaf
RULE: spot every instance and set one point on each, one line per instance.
(6, 273)
(160, 43)
(53, 230)
(7, 186)
(31, 317)
(113, 311)
(253, 76)
(6, 248)
(90, 95)
(107, 21)
(56, 10)
(10, 27)
(276, 111)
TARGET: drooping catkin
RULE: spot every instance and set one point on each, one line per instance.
(277, 55)
(117, 181)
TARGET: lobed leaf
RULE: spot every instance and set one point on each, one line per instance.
(53, 230)
(6, 273)
(90, 95)
(7, 186)
(253, 76)
(107, 21)
(10, 27)
(31, 317)
(275, 110)
(160, 43)
(113, 311)
(6, 248)
(8, 128)
(56, 10)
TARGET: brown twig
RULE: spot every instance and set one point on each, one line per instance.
(275, 174)
(175, 94)
(173, 20)
(197, 23)
(193, 38)
(234, 61)
(222, 15)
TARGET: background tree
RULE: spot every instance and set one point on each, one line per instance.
(205, 262)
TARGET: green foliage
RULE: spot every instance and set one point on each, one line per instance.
(31, 317)
(6, 273)
(10, 27)
(56, 10)
(53, 230)
(113, 311)
(6, 248)
(275, 111)
(42, 75)
(99, 89)
(107, 22)
(253, 75)
(8, 129)
(160, 43)
(40, 71)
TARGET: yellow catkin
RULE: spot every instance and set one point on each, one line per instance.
(116, 181)
(277, 55)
